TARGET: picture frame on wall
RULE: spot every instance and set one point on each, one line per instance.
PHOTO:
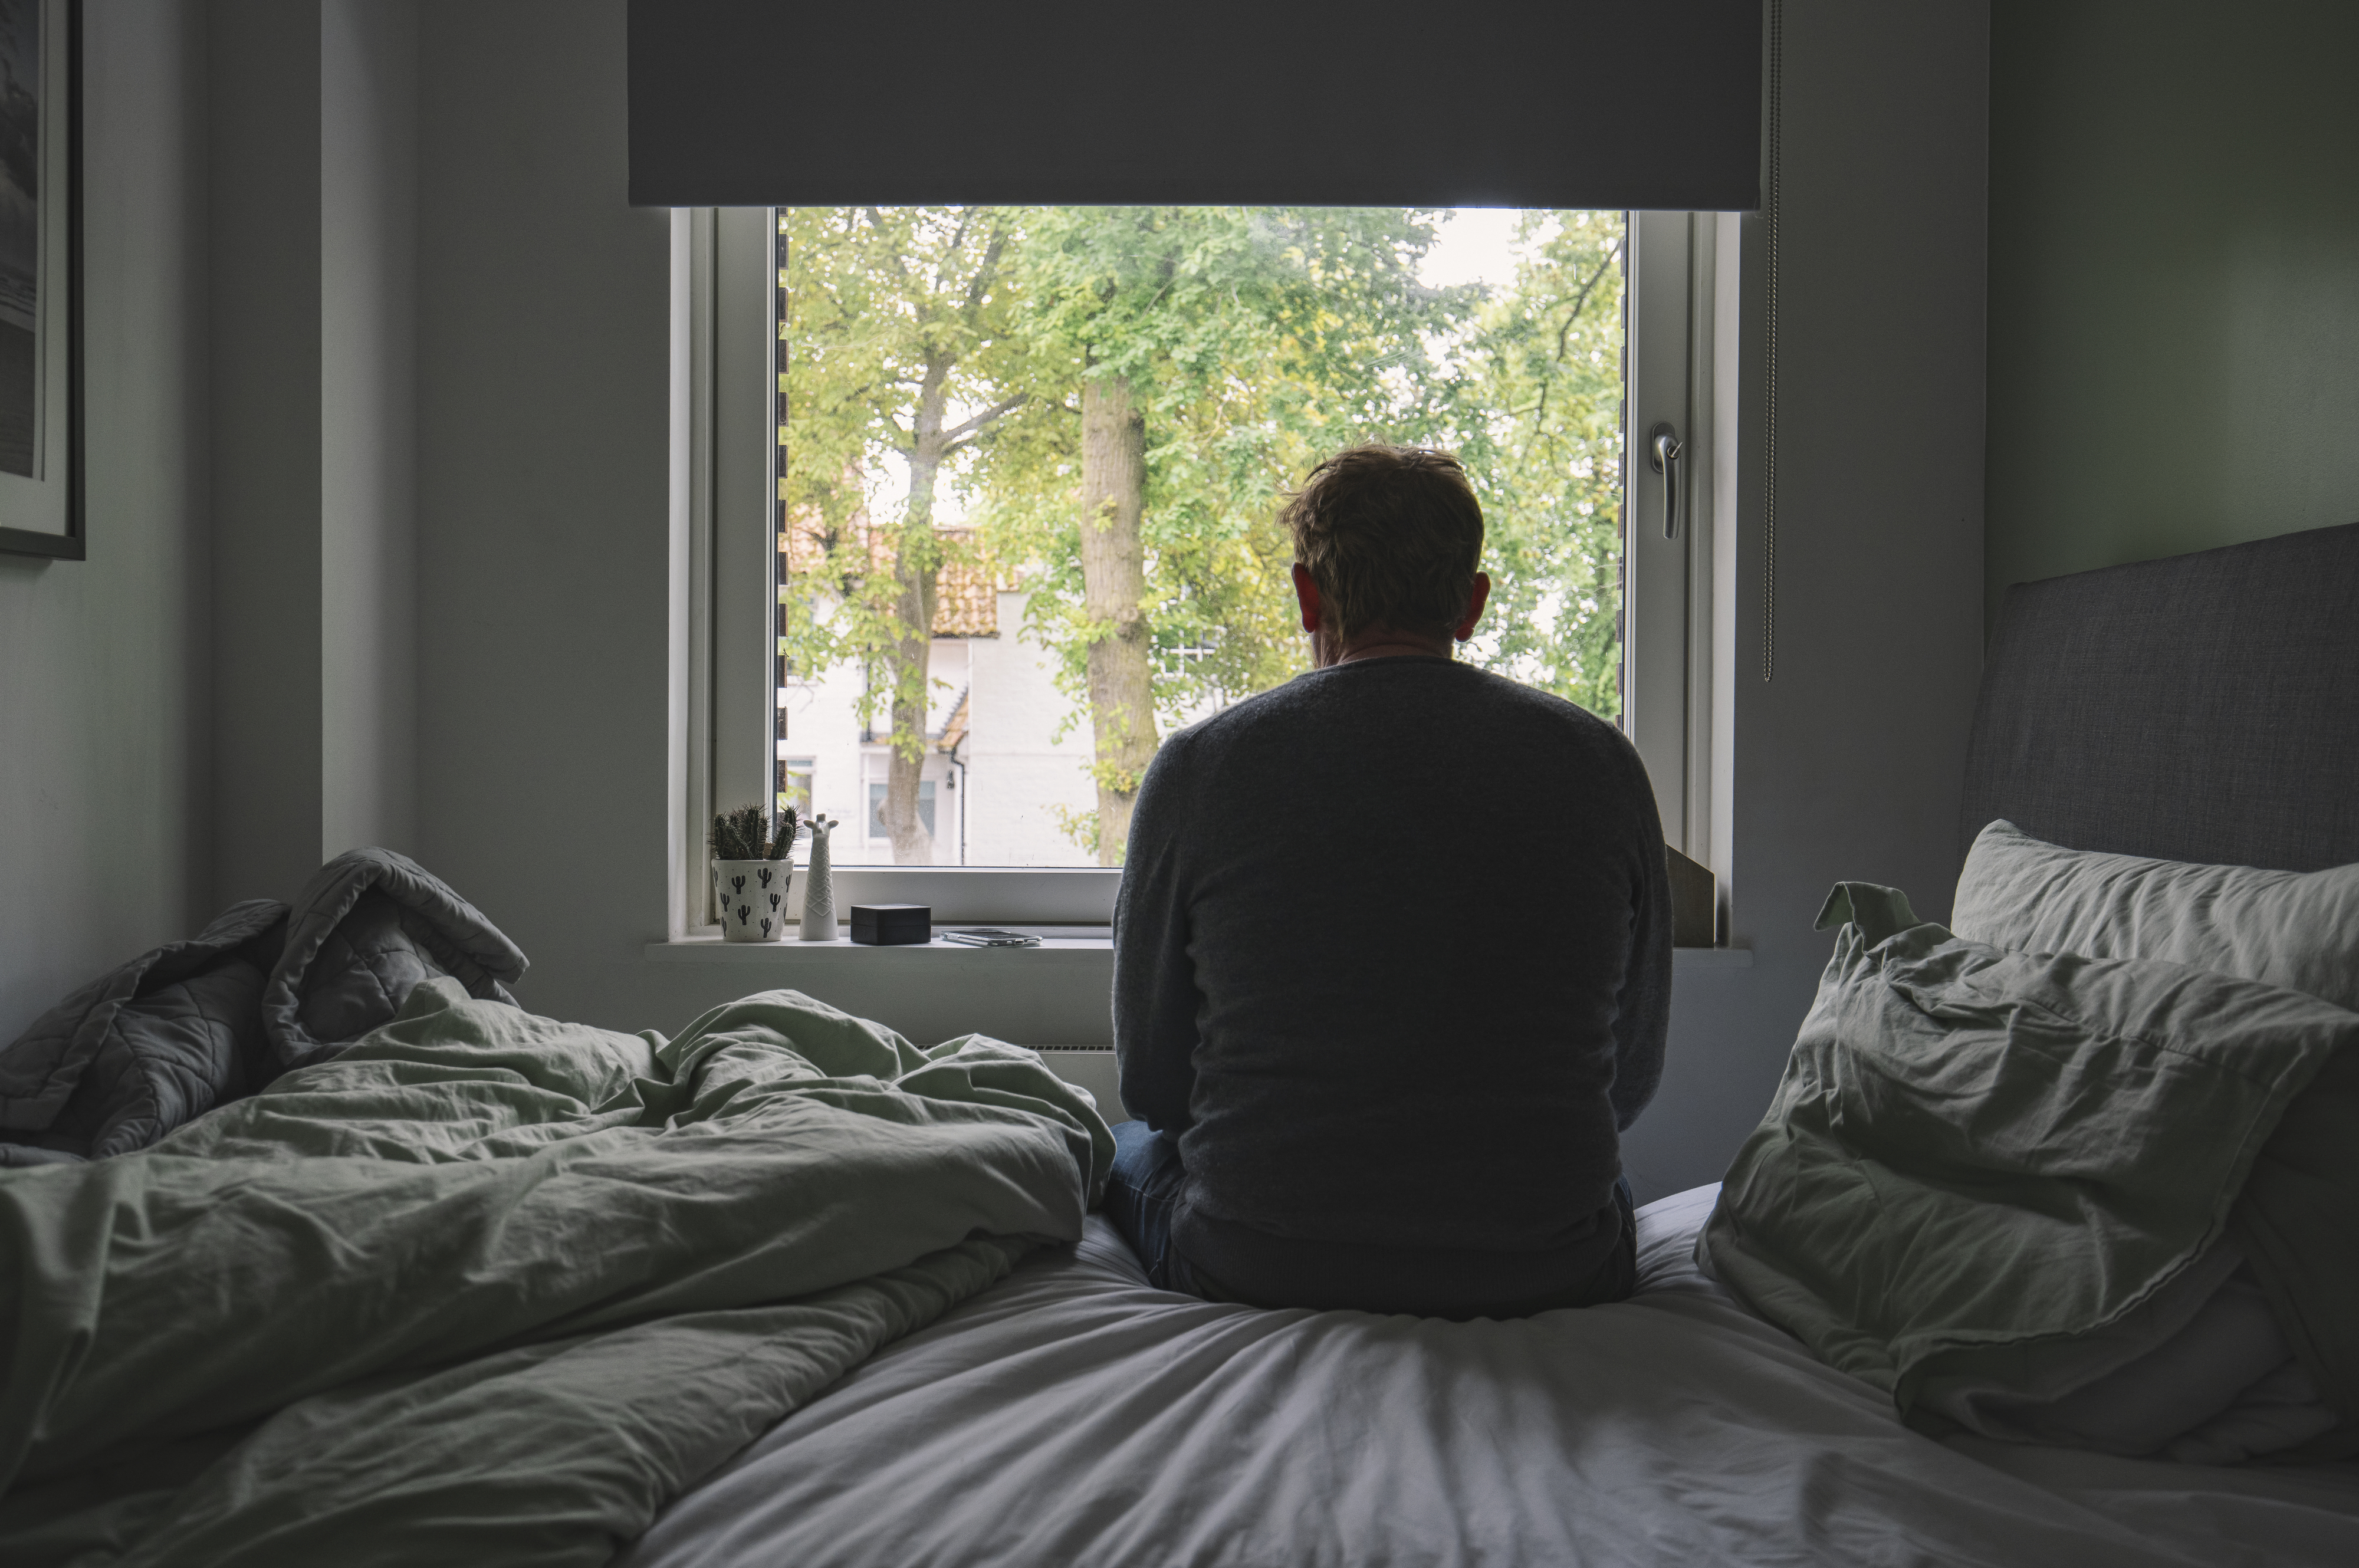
(41, 280)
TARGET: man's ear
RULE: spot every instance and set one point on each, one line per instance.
(1474, 603)
(1306, 594)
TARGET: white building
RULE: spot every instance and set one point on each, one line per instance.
(997, 774)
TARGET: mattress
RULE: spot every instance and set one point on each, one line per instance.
(1075, 1415)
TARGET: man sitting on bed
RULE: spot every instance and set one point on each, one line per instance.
(1392, 954)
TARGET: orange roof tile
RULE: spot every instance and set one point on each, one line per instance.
(966, 595)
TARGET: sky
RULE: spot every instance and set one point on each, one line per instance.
(1474, 246)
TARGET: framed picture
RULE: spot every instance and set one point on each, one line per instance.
(40, 278)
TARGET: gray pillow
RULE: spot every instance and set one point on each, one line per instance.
(2292, 929)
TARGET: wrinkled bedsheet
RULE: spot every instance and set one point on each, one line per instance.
(1074, 1415)
(489, 1289)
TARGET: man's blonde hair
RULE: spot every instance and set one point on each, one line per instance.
(1392, 535)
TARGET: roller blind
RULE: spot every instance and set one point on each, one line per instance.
(1649, 103)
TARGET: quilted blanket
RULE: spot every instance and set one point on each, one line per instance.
(196, 1024)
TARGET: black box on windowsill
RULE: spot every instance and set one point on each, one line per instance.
(892, 925)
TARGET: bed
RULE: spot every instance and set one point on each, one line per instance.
(2200, 708)
(1074, 1415)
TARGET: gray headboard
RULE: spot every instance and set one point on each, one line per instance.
(2202, 708)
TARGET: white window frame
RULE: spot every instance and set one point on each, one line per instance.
(1678, 599)
(1679, 366)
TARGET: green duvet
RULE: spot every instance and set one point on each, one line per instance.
(493, 1289)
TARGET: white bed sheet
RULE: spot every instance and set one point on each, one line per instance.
(1073, 1415)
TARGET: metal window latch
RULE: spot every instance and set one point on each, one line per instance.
(1663, 455)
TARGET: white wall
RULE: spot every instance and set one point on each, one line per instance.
(368, 424)
(263, 80)
(1017, 771)
(824, 727)
(1022, 769)
(103, 769)
(313, 196)
(544, 653)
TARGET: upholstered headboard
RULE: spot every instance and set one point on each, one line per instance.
(2203, 708)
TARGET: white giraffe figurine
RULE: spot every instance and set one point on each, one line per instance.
(819, 883)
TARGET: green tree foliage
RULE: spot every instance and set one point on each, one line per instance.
(1237, 346)
(897, 343)
(1256, 342)
(1539, 429)
(1245, 343)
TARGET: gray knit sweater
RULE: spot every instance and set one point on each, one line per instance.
(1392, 957)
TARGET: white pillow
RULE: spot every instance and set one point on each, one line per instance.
(2299, 929)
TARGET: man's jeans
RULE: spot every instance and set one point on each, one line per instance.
(1141, 1192)
(1145, 1183)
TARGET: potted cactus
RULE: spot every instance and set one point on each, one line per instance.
(751, 871)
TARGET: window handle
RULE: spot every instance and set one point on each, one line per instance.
(1663, 455)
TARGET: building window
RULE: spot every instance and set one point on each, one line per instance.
(795, 785)
(879, 830)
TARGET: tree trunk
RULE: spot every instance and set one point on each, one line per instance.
(917, 568)
(945, 334)
(1114, 581)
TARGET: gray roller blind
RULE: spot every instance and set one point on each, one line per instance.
(1651, 103)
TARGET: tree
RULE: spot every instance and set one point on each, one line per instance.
(1538, 420)
(1124, 394)
(1217, 352)
(898, 331)
(1114, 591)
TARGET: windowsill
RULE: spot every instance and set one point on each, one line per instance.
(1069, 944)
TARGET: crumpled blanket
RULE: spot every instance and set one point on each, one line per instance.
(366, 930)
(192, 1025)
(488, 1288)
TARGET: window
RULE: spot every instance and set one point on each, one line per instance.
(934, 624)
(879, 831)
(794, 784)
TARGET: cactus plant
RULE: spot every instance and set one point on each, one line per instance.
(751, 870)
(745, 834)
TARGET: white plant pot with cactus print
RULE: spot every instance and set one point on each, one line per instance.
(752, 897)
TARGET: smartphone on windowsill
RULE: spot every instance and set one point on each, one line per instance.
(991, 936)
